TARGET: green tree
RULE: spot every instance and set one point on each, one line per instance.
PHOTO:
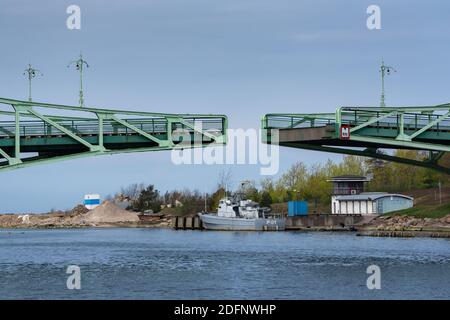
(215, 198)
(148, 199)
(249, 191)
(266, 199)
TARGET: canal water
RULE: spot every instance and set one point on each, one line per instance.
(167, 264)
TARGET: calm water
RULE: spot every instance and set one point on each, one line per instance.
(167, 264)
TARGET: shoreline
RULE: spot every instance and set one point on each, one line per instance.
(404, 234)
(383, 226)
(97, 226)
(359, 232)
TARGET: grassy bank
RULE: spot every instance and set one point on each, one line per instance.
(424, 211)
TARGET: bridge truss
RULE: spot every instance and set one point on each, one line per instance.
(33, 132)
(365, 131)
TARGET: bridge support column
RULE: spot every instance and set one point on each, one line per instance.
(101, 117)
(401, 129)
(17, 134)
(12, 160)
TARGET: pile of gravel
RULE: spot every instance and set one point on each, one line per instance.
(108, 212)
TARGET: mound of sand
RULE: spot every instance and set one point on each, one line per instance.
(108, 212)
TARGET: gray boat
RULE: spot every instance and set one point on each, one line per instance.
(241, 215)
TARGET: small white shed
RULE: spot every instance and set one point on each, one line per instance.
(370, 203)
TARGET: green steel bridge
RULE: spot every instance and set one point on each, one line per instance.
(363, 131)
(33, 132)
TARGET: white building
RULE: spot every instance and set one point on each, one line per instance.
(348, 197)
(370, 203)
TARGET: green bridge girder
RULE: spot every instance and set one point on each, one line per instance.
(370, 129)
(51, 132)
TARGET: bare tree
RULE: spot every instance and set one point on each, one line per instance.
(225, 179)
(132, 191)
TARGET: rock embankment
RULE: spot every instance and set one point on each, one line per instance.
(406, 226)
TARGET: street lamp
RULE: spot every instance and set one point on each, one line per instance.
(385, 70)
(79, 66)
(31, 72)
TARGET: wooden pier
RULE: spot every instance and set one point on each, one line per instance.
(187, 223)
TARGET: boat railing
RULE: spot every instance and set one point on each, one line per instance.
(273, 215)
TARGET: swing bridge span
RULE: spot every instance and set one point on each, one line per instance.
(33, 132)
(366, 131)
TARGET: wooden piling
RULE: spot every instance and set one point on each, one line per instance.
(187, 223)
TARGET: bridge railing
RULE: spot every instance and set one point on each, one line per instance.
(33, 122)
(405, 118)
(292, 121)
(408, 118)
(32, 128)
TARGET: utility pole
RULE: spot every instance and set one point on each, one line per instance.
(79, 66)
(31, 72)
(385, 70)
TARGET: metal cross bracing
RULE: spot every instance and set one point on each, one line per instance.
(33, 132)
(371, 128)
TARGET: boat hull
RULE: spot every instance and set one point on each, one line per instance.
(214, 222)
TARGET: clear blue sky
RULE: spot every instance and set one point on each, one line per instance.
(239, 57)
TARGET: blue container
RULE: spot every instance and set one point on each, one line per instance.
(297, 208)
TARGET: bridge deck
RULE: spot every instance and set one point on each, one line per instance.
(49, 135)
(38, 136)
(371, 128)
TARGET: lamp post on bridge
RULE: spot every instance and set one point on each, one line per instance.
(31, 72)
(79, 66)
(385, 70)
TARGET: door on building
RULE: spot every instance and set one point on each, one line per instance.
(363, 207)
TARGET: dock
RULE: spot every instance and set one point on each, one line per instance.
(187, 223)
(324, 222)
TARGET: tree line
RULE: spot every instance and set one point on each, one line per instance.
(299, 182)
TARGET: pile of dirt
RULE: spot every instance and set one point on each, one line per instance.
(79, 209)
(108, 212)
